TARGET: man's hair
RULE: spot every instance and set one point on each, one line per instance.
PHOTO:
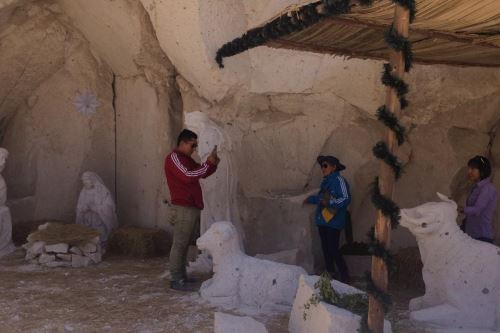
(482, 164)
(186, 136)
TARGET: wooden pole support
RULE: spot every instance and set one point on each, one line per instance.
(386, 178)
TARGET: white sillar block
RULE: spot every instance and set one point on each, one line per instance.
(76, 250)
(225, 323)
(45, 258)
(324, 318)
(33, 250)
(95, 257)
(89, 248)
(57, 248)
(64, 256)
(79, 261)
(53, 264)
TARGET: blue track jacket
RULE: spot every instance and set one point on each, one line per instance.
(338, 188)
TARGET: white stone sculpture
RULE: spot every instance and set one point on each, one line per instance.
(225, 323)
(220, 189)
(6, 245)
(241, 281)
(96, 208)
(323, 317)
(461, 275)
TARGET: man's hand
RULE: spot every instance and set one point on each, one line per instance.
(213, 158)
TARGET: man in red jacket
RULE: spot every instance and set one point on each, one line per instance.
(183, 178)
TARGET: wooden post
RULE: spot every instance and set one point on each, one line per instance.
(386, 178)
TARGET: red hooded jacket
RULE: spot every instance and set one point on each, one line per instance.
(183, 179)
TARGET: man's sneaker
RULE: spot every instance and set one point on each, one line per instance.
(182, 285)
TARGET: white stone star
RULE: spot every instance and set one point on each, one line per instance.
(86, 103)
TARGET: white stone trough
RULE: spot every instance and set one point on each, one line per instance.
(323, 317)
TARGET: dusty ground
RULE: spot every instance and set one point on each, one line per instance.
(118, 295)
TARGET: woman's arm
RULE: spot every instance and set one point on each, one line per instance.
(482, 201)
(313, 199)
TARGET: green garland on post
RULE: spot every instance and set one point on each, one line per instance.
(389, 120)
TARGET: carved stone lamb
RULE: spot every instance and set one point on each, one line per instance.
(461, 275)
(243, 281)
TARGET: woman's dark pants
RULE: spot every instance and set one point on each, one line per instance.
(330, 243)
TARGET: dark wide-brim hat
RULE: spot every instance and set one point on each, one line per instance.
(332, 160)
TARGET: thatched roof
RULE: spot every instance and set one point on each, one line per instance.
(454, 32)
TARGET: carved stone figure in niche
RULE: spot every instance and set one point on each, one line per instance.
(6, 245)
(96, 208)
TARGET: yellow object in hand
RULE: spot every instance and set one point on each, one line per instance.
(328, 214)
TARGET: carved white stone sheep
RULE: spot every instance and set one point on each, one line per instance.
(461, 275)
(241, 281)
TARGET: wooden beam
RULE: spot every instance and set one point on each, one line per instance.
(287, 44)
(380, 274)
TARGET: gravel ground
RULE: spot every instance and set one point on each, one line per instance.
(120, 295)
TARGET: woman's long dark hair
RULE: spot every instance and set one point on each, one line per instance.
(482, 164)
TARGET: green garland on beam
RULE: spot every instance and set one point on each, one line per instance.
(389, 120)
(288, 23)
(410, 5)
(398, 84)
(378, 250)
(381, 296)
(382, 152)
(400, 44)
(388, 207)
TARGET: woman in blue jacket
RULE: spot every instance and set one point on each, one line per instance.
(332, 201)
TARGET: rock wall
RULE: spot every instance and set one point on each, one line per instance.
(53, 50)
(278, 136)
(45, 64)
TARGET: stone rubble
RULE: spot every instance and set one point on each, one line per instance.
(62, 254)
